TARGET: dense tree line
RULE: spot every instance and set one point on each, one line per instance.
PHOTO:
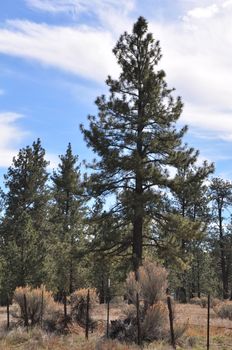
(146, 195)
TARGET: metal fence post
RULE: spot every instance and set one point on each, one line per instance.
(25, 309)
(8, 312)
(108, 309)
(208, 321)
(87, 317)
(138, 320)
(171, 323)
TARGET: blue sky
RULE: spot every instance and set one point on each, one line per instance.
(56, 54)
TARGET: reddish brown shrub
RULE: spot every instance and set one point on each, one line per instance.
(151, 284)
(37, 301)
(41, 307)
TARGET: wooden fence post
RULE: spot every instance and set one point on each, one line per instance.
(25, 309)
(138, 320)
(8, 312)
(171, 323)
(87, 317)
(208, 321)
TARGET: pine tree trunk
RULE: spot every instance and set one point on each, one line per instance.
(71, 267)
(71, 277)
(138, 208)
(22, 272)
(137, 242)
(138, 220)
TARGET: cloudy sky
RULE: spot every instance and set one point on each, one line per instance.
(56, 54)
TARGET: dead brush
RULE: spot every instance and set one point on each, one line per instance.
(224, 310)
(40, 308)
(150, 286)
(195, 301)
(151, 283)
(79, 305)
(153, 327)
(36, 300)
(204, 302)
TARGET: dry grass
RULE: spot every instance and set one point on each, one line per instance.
(38, 340)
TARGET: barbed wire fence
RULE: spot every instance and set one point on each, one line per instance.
(109, 306)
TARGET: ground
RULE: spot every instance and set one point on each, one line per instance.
(192, 316)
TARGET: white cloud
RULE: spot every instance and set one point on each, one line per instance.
(205, 11)
(202, 12)
(10, 135)
(197, 53)
(81, 50)
(212, 123)
(197, 59)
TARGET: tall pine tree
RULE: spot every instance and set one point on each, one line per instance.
(67, 218)
(190, 199)
(23, 228)
(135, 134)
(221, 196)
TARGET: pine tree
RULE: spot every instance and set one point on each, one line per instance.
(135, 135)
(191, 202)
(221, 196)
(23, 228)
(67, 218)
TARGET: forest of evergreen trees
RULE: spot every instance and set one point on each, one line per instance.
(145, 195)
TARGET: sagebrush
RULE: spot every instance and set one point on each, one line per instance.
(147, 286)
(36, 305)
